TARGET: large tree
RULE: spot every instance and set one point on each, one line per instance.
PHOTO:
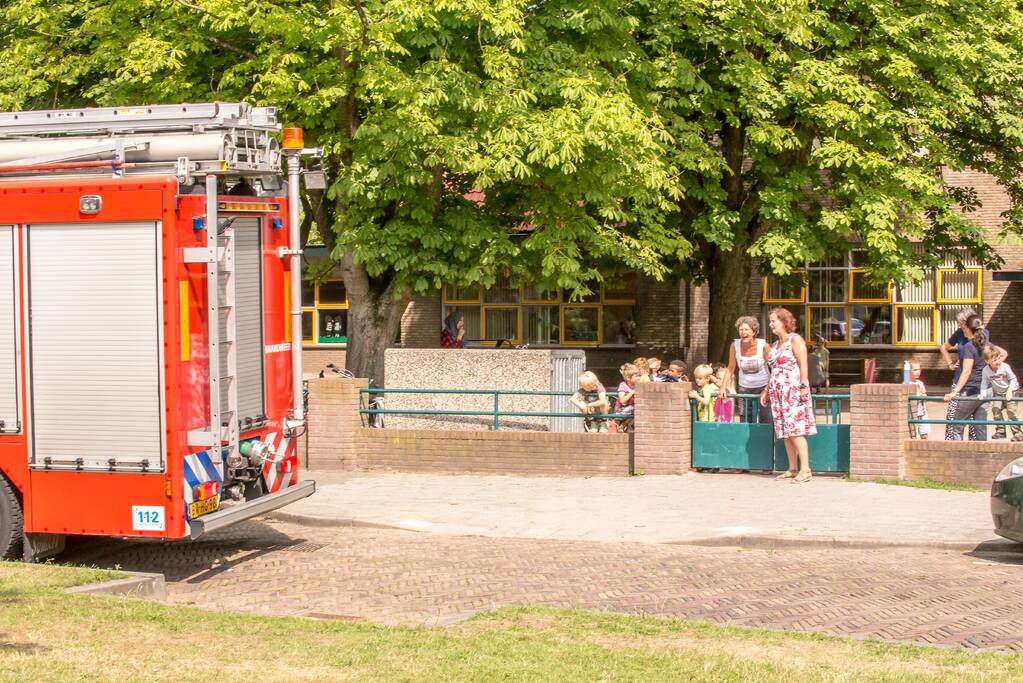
(802, 126)
(697, 137)
(423, 108)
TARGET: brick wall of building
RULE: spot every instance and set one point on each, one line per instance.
(959, 462)
(658, 322)
(421, 323)
(314, 360)
(697, 317)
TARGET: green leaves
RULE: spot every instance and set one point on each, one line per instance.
(467, 138)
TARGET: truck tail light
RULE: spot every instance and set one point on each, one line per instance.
(206, 490)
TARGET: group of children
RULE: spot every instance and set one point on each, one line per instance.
(997, 381)
(592, 400)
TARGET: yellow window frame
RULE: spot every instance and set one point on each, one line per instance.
(600, 321)
(526, 300)
(852, 288)
(809, 323)
(323, 305)
(980, 286)
(312, 339)
(802, 291)
(463, 302)
(608, 300)
(518, 322)
(895, 325)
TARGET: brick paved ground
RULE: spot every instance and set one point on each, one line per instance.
(972, 600)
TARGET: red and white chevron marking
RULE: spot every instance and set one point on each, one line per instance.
(280, 469)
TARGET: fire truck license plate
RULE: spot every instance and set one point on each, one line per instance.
(203, 507)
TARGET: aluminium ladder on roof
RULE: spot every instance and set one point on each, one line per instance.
(183, 140)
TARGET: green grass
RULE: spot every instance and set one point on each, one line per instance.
(48, 635)
(919, 484)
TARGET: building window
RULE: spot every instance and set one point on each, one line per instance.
(528, 315)
(836, 300)
(324, 312)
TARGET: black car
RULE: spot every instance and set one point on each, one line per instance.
(1007, 501)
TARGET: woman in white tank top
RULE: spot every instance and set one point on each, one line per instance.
(747, 361)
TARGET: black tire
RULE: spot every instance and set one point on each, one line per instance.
(12, 527)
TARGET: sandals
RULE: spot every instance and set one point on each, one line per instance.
(789, 474)
(802, 478)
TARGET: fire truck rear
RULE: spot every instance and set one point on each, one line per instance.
(150, 321)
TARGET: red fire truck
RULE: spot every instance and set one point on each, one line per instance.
(150, 321)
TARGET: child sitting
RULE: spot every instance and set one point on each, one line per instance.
(627, 395)
(723, 406)
(999, 381)
(920, 407)
(591, 399)
(704, 393)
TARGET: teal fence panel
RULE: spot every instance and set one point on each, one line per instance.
(829, 450)
(829, 447)
(733, 445)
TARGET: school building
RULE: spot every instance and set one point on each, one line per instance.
(635, 315)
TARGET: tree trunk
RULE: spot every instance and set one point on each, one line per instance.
(372, 327)
(374, 320)
(729, 288)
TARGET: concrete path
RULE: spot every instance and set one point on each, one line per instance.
(700, 509)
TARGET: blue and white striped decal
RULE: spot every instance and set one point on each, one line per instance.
(199, 468)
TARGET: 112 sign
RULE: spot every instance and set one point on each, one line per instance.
(147, 518)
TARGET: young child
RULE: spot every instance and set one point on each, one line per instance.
(655, 368)
(677, 372)
(704, 393)
(920, 407)
(999, 381)
(591, 399)
(643, 367)
(723, 406)
(627, 395)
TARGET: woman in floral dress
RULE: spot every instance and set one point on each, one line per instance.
(789, 394)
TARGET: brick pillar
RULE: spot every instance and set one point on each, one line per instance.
(878, 430)
(333, 422)
(663, 442)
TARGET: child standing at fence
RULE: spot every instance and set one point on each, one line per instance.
(704, 393)
(920, 407)
(591, 399)
(999, 381)
(626, 404)
(643, 368)
(723, 406)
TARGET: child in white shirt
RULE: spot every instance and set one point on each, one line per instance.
(998, 381)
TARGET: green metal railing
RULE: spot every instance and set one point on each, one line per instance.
(912, 400)
(827, 405)
(495, 414)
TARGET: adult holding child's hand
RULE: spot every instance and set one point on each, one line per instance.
(788, 392)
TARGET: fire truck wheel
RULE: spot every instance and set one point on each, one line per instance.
(11, 522)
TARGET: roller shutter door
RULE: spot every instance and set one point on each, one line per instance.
(9, 387)
(248, 282)
(95, 345)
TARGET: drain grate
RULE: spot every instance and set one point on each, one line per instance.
(302, 547)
